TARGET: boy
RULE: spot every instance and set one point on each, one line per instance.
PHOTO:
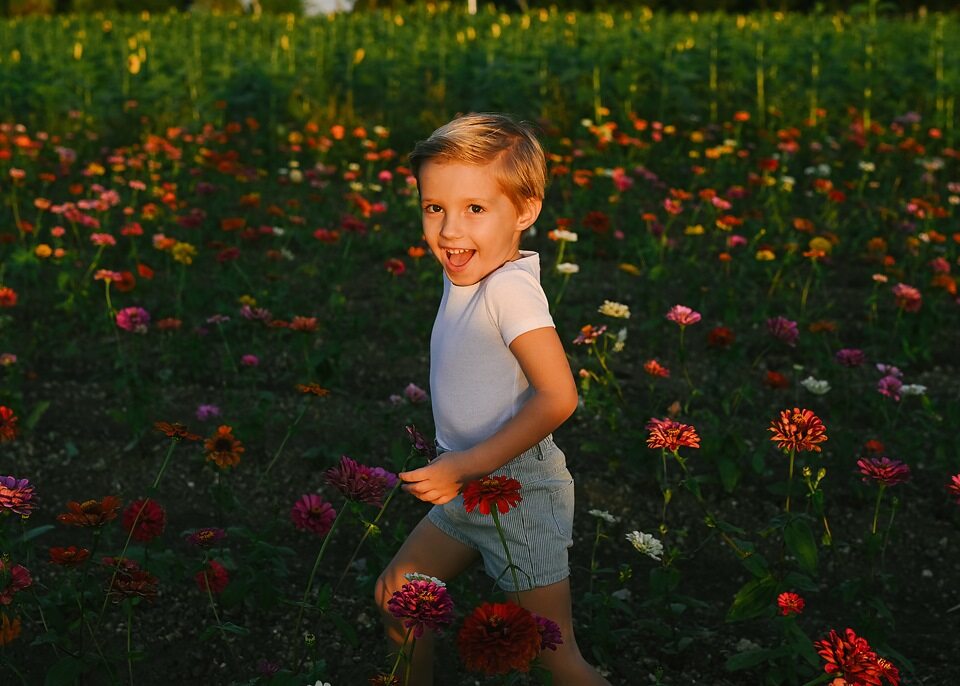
(500, 384)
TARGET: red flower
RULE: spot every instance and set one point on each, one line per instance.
(798, 429)
(851, 658)
(13, 579)
(500, 491)
(654, 368)
(8, 424)
(395, 266)
(790, 603)
(907, 297)
(883, 470)
(720, 337)
(146, 518)
(498, 638)
(874, 447)
(954, 486)
(8, 296)
(776, 380)
(671, 435)
(214, 576)
(69, 557)
(129, 580)
(90, 512)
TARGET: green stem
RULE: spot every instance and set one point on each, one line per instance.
(593, 556)
(213, 604)
(503, 539)
(166, 461)
(130, 641)
(876, 508)
(283, 443)
(790, 479)
(313, 572)
(400, 655)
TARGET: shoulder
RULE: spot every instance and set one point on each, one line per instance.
(517, 276)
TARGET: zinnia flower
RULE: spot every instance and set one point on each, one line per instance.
(671, 435)
(422, 605)
(14, 579)
(205, 412)
(816, 386)
(498, 638)
(907, 298)
(420, 442)
(646, 544)
(90, 512)
(414, 393)
(784, 330)
(312, 389)
(8, 424)
(359, 482)
(654, 368)
(850, 658)
(850, 357)
(614, 309)
(954, 486)
(9, 630)
(313, 513)
(130, 581)
(500, 492)
(890, 386)
(8, 296)
(214, 576)
(145, 518)
(223, 448)
(883, 470)
(720, 337)
(798, 429)
(790, 603)
(776, 380)
(589, 334)
(175, 430)
(16, 495)
(206, 537)
(133, 319)
(683, 315)
(71, 556)
(550, 635)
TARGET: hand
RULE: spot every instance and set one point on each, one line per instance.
(437, 483)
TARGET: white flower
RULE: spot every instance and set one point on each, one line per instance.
(604, 515)
(417, 576)
(568, 268)
(614, 309)
(621, 340)
(912, 389)
(646, 544)
(564, 235)
(296, 176)
(816, 386)
(867, 166)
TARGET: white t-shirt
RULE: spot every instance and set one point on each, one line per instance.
(476, 383)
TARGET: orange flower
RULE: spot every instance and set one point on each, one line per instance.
(9, 630)
(176, 430)
(654, 368)
(305, 324)
(8, 424)
(313, 389)
(798, 429)
(671, 435)
(223, 448)
(90, 512)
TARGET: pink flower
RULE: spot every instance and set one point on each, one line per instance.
(954, 486)
(133, 319)
(250, 361)
(359, 482)
(13, 579)
(907, 297)
(314, 514)
(102, 239)
(883, 470)
(414, 393)
(783, 330)
(890, 386)
(422, 604)
(550, 635)
(16, 495)
(850, 357)
(683, 315)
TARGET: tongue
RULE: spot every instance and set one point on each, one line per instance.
(460, 259)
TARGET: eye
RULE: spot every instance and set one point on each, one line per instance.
(475, 209)
(432, 208)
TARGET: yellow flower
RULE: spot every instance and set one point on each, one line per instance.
(766, 255)
(695, 230)
(820, 243)
(629, 268)
(43, 251)
(183, 252)
(247, 300)
(614, 309)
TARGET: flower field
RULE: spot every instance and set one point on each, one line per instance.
(215, 310)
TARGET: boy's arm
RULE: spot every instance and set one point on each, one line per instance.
(544, 363)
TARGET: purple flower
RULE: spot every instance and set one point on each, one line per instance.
(256, 313)
(420, 442)
(359, 482)
(313, 513)
(206, 537)
(783, 330)
(16, 495)
(133, 319)
(889, 370)
(414, 393)
(422, 605)
(883, 470)
(850, 357)
(250, 360)
(890, 387)
(218, 319)
(205, 412)
(550, 636)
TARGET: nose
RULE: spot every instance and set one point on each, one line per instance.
(450, 228)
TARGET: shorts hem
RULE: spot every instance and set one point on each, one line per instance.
(506, 582)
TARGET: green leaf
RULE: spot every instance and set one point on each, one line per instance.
(729, 473)
(232, 628)
(800, 541)
(64, 671)
(752, 658)
(755, 598)
(756, 564)
(36, 414)
(35, 532)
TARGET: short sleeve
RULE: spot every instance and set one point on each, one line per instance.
(516, 303)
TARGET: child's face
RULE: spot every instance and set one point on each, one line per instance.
(469, 222)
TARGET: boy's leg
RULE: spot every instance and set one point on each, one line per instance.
(429, 551)
(566, 664)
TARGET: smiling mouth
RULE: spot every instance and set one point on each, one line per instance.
(459, 257)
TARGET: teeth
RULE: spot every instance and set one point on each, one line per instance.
(459, 251)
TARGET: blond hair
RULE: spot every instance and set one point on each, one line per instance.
(483, 138)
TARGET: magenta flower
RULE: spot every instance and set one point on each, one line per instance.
(133, 319)
(550, 635)
(683, 315)
(890, 386)
(783, 330)
(314, 514)
(954, 487)
(883, 470)
(422, 604)
(359, 482)
(414, 393)
(250, 360)
(16, 495)
(205, 412)
(420, 442)
(12, 580)
(850, 357)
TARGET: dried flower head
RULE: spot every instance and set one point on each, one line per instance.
(128, 580)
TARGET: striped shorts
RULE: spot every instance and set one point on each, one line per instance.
(538, 531)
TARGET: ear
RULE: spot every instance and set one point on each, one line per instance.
(529, 214)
